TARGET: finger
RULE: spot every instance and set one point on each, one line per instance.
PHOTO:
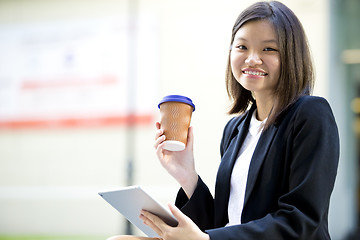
(150, 221)
(159, 141)
(176, 212)
(158, 133)
(151, 225)
(161, 152)
(153, 218)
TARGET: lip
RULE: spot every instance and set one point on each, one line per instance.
(254, 72)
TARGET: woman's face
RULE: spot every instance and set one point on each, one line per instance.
(255, 59)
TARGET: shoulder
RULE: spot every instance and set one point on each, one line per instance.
(231, 126)
(231, 130)
(309, 107)
(234, 122)
(311, 102)
(313, 107)
(309, 111)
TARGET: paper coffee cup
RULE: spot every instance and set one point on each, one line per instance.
(175, 111)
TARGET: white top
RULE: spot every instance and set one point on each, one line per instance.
(240, 171)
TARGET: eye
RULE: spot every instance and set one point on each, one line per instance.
(241, 47)
(269, 49)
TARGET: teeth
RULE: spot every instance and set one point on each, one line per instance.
(255, 73)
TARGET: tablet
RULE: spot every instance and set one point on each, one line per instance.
(129, 201)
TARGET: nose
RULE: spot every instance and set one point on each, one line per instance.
(253, 59)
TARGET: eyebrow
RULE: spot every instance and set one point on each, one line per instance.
(270, 41)
(265, 41)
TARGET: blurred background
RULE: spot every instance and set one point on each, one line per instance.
(79, 85)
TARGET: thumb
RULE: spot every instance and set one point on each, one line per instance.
(176, 212)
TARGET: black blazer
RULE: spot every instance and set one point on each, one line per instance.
(290, 180)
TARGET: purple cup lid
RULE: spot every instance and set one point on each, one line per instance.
(177, 98)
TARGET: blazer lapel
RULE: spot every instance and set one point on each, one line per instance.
(222, 188)
(257, 159)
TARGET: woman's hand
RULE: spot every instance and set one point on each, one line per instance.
(185, 230)
(180, 164)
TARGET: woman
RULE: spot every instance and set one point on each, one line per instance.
(279, 156)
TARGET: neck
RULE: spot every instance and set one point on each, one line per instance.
(264, 107)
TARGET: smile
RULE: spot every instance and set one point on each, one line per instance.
(255, 73)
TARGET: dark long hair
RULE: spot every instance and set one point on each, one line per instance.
(296, 69)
